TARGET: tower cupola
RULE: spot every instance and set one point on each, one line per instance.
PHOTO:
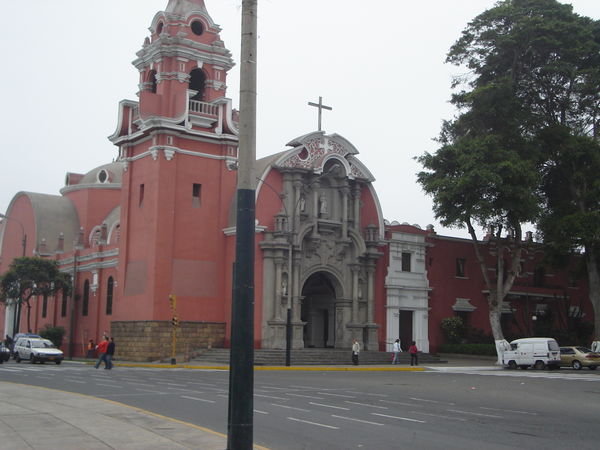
(183, 65)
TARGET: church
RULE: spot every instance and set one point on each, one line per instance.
(150, 237)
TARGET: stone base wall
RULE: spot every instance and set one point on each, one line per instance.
(152, 340)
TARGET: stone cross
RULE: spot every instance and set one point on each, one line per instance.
(321, 107)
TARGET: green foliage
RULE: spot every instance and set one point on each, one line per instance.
(54, 334)
(469, 349)
(453, 329)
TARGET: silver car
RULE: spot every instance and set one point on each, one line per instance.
(37, 350)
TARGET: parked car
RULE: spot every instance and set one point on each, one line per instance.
(539, 353)
(578, 357)
(37, 349)
(4, 353)
(17, 336)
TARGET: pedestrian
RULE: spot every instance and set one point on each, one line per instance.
(101, 349)
(110, 352)
(397, 350)
(414, 352)
(91, 350)
(355, 352)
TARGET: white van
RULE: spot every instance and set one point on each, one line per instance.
(532, 352)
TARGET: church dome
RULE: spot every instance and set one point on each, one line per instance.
(106, 174)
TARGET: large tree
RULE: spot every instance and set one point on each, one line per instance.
(530, 66)
(32, 277)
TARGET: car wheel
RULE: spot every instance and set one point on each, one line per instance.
(576, 365)
(539, 365)
(31, 359)
(512, 365)
(17, 358)
(593, 367)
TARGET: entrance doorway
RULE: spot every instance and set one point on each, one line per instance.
(406, 329)
(318, 311)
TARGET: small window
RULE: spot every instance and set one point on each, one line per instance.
(159, 28)
(152, 80)
(197, 83)
(460, 267)
(406, 262)
(197, 28)
(538, 276)
(86, 298)
(196, 191)
(63, 306)
(141, 200)
(109, 295)
(45, 306)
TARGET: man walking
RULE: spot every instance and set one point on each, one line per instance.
(414, 354)
(102, 348)
(110, 352)
(397, 350)
(355, 352)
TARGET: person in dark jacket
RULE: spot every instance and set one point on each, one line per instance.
(414, 354)
(110, 352)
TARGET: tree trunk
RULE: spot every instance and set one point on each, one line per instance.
(495, 315)
(594, 289)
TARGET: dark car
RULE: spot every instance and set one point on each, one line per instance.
(4, 353)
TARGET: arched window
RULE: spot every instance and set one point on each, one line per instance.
(109, 295)
(197, 82)
(86, 298)
(152, 81)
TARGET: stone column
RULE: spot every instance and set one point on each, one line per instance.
(356, 193)
(370, 292)
(355, 269)
(315, 210)
(278, 291)
(345, 193)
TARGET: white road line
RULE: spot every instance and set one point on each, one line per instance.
(261, 412)
(74, 381)
(407, 419)
(423, 400)
(392, 402)
(366, 404)
(512, 411)
(314, 423)
(271, 396)
(336, 395)
(176, 384)
(145, 390)
(458, 411)
(305, 396)
(368, 394)
(290, 407)
(198, 399)
(112, 386)
(460, 419)
(329, 406)
(356, 420)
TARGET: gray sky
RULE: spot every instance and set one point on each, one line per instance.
(378, 63)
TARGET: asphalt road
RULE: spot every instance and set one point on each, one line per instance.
(449, 408)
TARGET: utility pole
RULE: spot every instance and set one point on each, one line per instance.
(241, 379)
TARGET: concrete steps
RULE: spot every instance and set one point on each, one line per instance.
(309, 356)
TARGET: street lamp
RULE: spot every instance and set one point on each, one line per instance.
(24, 236)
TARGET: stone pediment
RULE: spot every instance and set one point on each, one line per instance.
(313, 150)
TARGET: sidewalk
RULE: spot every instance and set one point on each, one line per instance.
(39, 418)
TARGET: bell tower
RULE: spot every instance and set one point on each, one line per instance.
(179, 143)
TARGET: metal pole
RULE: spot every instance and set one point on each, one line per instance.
(72, 312)
(241, 387)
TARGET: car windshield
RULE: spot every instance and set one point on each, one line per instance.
(584, 350)
(42, 344)
(553, 346)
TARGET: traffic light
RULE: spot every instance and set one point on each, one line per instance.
(175, 321)
(172, 302)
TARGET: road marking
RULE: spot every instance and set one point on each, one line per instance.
(271, 396)
(74, 381)
(305, 396)
(398, 403)
(368, 394)
(368, 405)
(407, 419)
(176, 384)
(329, 406)
(336, 395)
(460, 419)
(458, 411)
(423, 400)
(314, 423)
(510, 411)
(356, 420)
(111, 386)
(290, 407)
(261, 412)
(198, 399)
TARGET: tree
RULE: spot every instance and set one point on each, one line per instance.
(32, 277)
(532, 65)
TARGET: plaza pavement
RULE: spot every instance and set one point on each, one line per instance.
(39, 418)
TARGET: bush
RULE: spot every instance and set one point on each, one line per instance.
(453, 329)
(54, 334)
(470, 349)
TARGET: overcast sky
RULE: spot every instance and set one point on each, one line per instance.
(379, 63)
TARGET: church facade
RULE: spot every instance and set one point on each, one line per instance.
(160, 219)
